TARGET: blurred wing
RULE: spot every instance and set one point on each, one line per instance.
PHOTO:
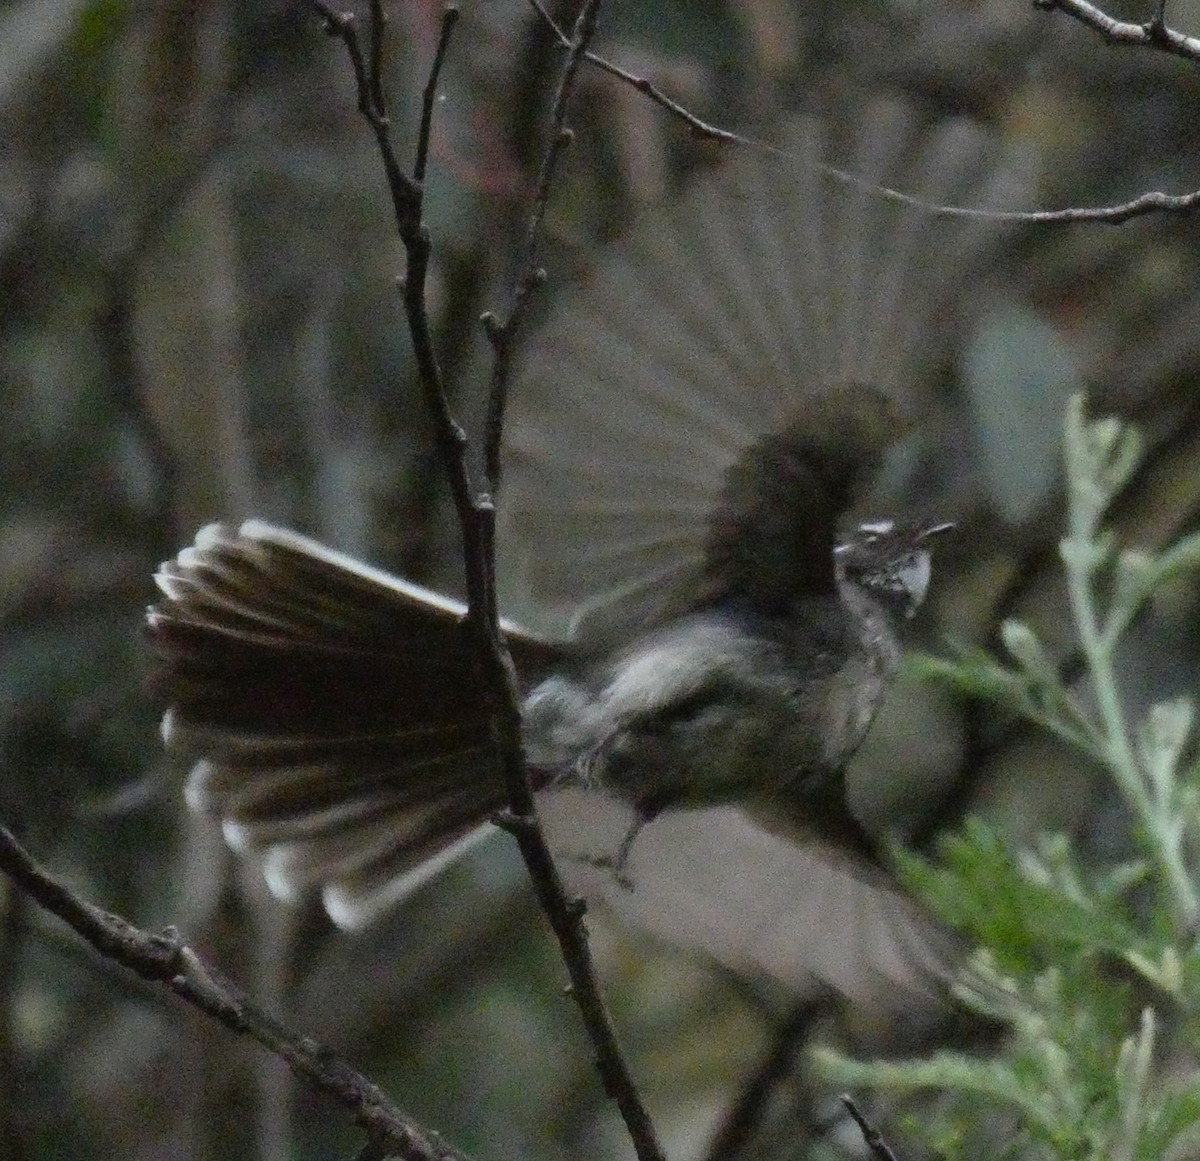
(333, 711)
(707, 328)
(808, 917)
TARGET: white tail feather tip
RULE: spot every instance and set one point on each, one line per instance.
(354, 910)
(210, 536)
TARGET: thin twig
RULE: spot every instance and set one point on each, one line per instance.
(1154, 33)
(405, 192)
(429, 97)
(503, 334)
(641, 84)
(1153, 202)
(476, 518)
(873, 1139)
(166, 959)
(407, 203)
(377, 41)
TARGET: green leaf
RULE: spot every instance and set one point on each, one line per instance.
(972, 672)
(1180, 557)
(1031, 911)
(1165, 972)
(1162, 739)
(1100, 457)
(1021, 641)
(1083, 555)
(1137, 573)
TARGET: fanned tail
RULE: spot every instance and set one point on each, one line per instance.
(334, 712)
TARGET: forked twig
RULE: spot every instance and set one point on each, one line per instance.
(1153, 33)
(503, 334)
(477, 518)
(642, 84)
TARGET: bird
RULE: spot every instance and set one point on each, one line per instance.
(688, 440)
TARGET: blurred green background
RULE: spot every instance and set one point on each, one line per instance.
(198, 320)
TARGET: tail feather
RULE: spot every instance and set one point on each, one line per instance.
(218, 676)
(256, 796)
(378, 848)
(334, 713)
(356, 900)
(247, 758)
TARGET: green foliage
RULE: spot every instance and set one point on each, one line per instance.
(1094, 969)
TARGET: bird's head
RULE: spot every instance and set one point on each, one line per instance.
(890, 562)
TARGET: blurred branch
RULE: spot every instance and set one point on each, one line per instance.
(13, 929)
(746, 1113)
(1153, 33)
(166, 959)
(115, 327)
(476, 513)
(155, 207)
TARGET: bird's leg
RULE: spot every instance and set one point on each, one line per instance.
(640, 818)
(618, 862)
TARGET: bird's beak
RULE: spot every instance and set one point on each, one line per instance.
(935, 530)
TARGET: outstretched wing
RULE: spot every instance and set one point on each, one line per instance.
(806, 916)
(714, 324)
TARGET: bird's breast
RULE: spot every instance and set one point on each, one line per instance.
(852, 696)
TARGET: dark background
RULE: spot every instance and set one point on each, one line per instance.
(198, 321)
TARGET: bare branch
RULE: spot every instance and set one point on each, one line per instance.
(1153, 202)
(378, 32)
(166, 959)
(1154, 33)
(406, 193)
(503, 333)
(642, 84)
(449, 20)
(476, 518)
